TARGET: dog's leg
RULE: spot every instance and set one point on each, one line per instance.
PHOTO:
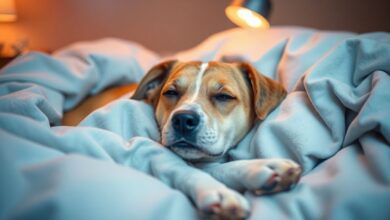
(260, 176)
(209, 195)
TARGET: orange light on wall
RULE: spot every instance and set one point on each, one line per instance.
(7, 11)
(249, 13)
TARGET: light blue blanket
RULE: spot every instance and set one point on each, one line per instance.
(335, 122)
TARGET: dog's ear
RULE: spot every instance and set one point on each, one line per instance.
(267, 93)
(150, 86)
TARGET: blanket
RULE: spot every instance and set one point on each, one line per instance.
(335, 122)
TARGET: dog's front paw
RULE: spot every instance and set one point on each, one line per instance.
(280, 175)
(222, 203)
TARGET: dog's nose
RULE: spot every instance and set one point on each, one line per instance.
(185, 122)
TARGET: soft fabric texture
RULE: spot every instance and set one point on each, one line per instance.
(335, 122)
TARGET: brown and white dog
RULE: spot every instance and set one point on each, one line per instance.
(205, 109)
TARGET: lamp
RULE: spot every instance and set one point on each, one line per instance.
(249, 13)
(7, 11)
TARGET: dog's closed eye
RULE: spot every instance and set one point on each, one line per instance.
(223, 97)
(171, 93)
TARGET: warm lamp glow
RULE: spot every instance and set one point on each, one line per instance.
(7, 11)
(246, 18)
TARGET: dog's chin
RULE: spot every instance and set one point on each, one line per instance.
(192, 152)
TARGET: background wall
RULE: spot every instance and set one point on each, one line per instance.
(172, 25)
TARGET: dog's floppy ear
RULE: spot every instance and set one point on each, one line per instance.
(150, 86)
(267, 93)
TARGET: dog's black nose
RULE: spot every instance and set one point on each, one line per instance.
(185, 122)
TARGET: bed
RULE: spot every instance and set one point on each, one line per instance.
(335, 122)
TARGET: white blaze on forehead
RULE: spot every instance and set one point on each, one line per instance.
(198, 81)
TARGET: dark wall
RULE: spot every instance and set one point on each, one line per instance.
(171, 25)
(351, 15)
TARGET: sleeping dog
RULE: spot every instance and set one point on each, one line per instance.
(205, 109)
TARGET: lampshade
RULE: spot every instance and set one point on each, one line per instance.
(249, 13)
(7, 11)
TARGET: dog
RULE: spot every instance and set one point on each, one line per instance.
(203, 110)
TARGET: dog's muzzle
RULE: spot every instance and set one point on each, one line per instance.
(186, 125)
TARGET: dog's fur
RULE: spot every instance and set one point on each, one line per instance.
(205, 109)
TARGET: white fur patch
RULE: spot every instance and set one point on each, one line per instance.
(198, 82)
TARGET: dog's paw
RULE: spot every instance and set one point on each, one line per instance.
(222, 203)
(276, 175)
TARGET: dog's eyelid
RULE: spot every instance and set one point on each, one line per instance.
(225, 90)
(226, 94)
(224, 97)
(171, 91)
(171, 94)
(170, 87)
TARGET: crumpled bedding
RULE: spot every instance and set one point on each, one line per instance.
(335, 122)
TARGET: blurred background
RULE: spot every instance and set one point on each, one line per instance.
(167, 26)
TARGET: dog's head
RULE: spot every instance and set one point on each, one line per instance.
(204, 109)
